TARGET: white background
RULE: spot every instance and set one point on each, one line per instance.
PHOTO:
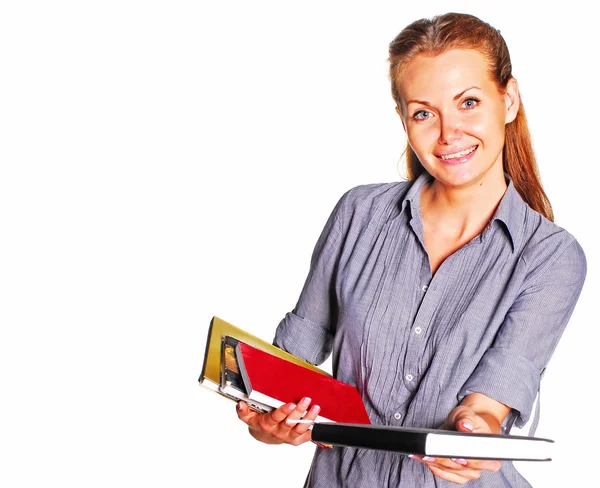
(164, 162)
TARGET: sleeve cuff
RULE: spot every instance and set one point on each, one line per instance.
(303, 338)
(507, 378)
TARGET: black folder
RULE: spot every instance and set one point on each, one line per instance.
(433, 442)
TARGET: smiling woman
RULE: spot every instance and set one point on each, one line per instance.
(441, 298)
(459, 124)
(450, 53)
(457, 134)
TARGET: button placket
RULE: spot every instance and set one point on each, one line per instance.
(422, 320)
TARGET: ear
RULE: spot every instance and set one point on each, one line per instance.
(399, 112)
(512, 99)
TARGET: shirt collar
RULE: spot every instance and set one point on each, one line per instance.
(510, 211)
(413, 197)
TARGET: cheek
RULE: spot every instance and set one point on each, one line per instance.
(421, 136)
(485, 126)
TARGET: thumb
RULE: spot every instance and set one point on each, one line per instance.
(245, 414)
(466, 424)
(465, 420)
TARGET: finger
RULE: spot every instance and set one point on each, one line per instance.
(263, 421)
(244, 413)
(465, 465)
(454, 477)
(453, 416)
(272, 420)
(288, 431)
(311, 414)
(486, 464)
(464, 419)
(301, 439)
(461, 464)
(298, 412)
(450, 466)
(421, 458)
(452, 463)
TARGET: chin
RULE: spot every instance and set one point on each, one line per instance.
(453, 176)
(457, 182)
(463, 175)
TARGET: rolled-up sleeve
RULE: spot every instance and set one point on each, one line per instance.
(510, 371)
(307, 331)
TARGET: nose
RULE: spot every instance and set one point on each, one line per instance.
(450, 131)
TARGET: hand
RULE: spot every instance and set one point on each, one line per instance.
(272, 428)
(463, 419)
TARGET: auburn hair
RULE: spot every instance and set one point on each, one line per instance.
(462, 31)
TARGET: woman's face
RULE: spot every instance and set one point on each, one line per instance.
(455, 117)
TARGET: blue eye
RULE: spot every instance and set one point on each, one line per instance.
(421, 115)
(470, 103)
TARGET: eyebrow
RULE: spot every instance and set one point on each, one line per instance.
(456, 97)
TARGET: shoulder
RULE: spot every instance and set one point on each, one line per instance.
(383, 199)
(546, 246)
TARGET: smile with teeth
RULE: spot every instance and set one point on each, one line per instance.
(459, 154)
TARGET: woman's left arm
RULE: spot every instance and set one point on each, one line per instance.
(476, 413)
(508, 375)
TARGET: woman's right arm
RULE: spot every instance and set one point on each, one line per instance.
(273, 428)
(307, 333)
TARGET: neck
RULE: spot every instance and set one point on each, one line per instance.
(461, 211)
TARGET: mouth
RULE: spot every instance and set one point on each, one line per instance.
(458, 157)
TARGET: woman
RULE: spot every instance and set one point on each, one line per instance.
(441, 298)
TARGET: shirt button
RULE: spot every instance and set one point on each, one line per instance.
(409, 377)
(418, 330)
(397, 415)
(425, 288)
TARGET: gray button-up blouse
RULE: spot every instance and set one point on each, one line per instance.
(415, 344)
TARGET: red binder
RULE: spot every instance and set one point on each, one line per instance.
(274, 381)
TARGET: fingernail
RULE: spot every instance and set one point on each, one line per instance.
(291, 407)
(305, 402)
(315, 409)
(429, 459)
(468, 425)
(412, 456)
(460, 461)
(239, 405)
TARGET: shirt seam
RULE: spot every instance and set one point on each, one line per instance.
(547, 265)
